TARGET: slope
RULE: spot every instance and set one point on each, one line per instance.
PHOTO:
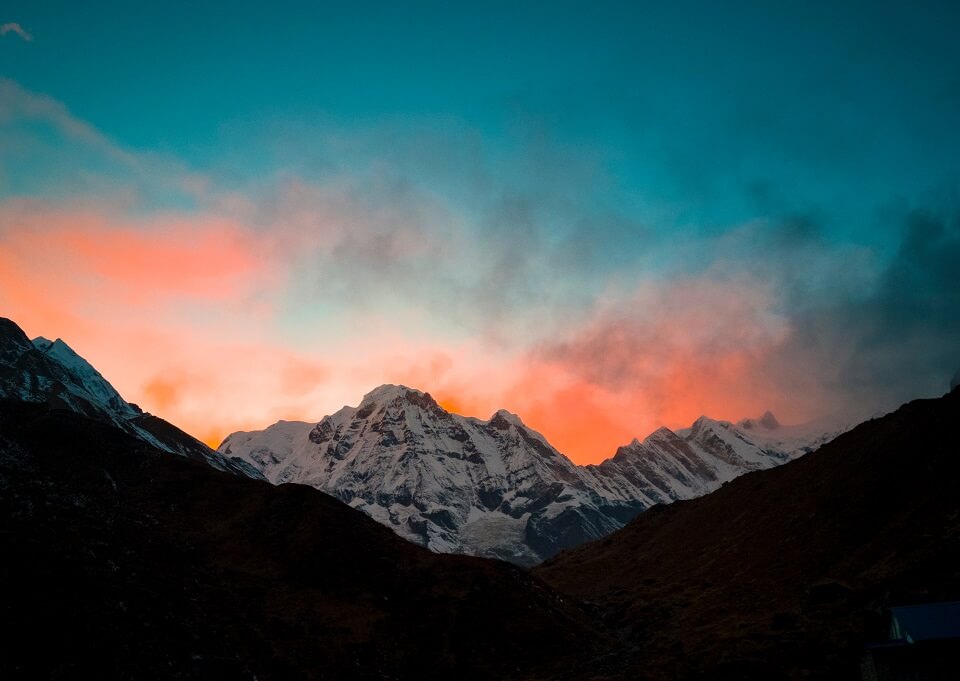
(783, 573)
(121, 561)
(50, 372)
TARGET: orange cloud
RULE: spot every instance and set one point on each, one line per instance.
(181, 312)
(666, 354)
(163, 393)
(165, 306)
(164, 256)
(580, 419)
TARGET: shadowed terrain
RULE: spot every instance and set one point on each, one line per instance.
(120, 561)
(783, 573)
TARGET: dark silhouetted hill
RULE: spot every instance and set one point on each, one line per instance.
(120, 561)
(783, 573)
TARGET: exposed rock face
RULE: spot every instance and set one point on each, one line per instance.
(496, 488)
(50, 372)
(453, 484)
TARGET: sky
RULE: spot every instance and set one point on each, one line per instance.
(604, 217)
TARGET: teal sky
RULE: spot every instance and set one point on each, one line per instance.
(522, 175)
(714, 112)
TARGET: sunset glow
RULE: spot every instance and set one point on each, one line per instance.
(201, 345)
(314, 229)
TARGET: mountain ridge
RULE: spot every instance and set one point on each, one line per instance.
(51, 372)
(497, 487)
(455, 484)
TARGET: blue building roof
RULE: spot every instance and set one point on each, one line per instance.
(925, 622)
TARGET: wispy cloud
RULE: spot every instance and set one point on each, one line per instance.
(87, 160)
(294, 293)
(16, 29)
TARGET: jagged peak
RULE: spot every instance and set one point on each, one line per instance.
(635, 448)
(660, 434)
(769, 421)
(388, 392)
(58, 346)
(507, 416)
(503, 419)
(67, 356)
(42, 344)
(705, 423)
(702, 422)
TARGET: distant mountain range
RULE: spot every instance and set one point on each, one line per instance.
(497, 488)
(454, 484)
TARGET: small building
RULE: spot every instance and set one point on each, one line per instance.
(923, 644)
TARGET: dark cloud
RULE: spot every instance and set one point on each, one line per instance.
(778, 314)
(875, 345)
(907, 334)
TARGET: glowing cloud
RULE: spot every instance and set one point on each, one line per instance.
(662, 355)
(288, 297)
(158, 304)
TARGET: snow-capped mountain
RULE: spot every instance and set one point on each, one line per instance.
(668, 466)
(452, 483)
(497, 488)
(45, 371)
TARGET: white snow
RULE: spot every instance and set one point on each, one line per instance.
(465, 485)
(82, 379)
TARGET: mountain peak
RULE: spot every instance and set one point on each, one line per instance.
(955, 381)
(503, 419)
(84, 372)
(388, 392)
(508, 416)
(767, 421)
(492, 487)
(659, 435)
(59, 349)
(701, 423)
(42, 344)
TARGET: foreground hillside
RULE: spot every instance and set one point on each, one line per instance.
(783, 573)
(121, 561)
